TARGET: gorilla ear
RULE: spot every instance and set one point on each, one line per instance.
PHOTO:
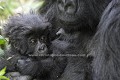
(18, 46)
(15, 46)
(23, 49)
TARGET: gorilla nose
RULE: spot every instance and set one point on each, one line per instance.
(67, 6)
(42, 47)
(70, 8)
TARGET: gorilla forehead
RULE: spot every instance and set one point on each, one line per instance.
(31, 20)
(23, 24)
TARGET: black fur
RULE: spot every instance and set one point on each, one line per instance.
(28, 33)
(79, 19)
(105, 44)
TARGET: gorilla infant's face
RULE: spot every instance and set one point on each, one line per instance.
(38, 40)
(29, 34)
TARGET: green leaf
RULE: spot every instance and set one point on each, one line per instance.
(4, 78)
(3, 71)
(2, 40)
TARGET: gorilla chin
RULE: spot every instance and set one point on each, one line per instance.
(66, 20)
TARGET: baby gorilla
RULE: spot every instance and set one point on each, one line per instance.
(30, 38)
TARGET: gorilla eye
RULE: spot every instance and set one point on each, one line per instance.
(60, 2)
(32, 40)
(43, 39)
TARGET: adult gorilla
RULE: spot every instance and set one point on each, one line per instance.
(106, 63)
(75, 15)
(79, 19)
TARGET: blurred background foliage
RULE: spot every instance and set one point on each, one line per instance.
(12, 7)
(7, 9)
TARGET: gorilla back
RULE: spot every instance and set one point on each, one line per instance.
(106, 63)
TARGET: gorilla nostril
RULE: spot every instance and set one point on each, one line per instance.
(68, 5)
(70, 8)
(42, 47)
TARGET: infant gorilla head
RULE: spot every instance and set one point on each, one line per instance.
(30, 37)
(29, 34)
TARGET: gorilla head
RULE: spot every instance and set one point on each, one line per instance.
(75, 15)
(80, 15)
(29, 34)
(30, 39)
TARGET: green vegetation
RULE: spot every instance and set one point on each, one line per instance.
(2, 73)
(3, 43)
(12, 7)
(7, 9)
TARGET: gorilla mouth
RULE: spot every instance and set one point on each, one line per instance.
(68, 19)
(68, 22)
(41, 53)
